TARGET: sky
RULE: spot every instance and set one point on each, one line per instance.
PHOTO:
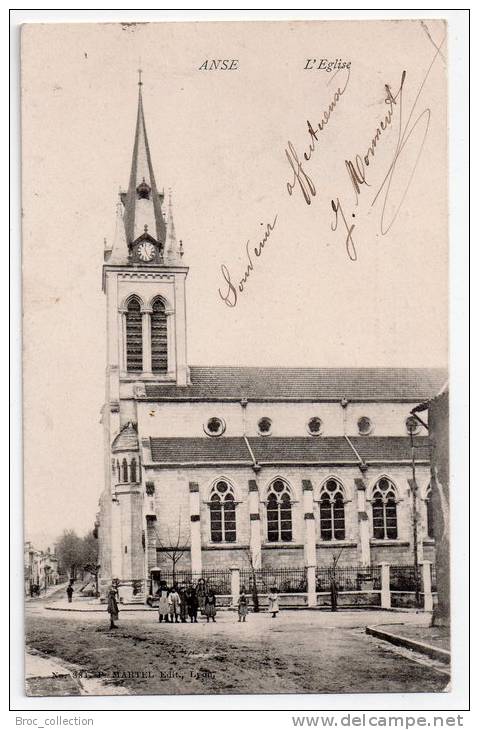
(219, 140)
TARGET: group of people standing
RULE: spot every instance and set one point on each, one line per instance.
(178, 603)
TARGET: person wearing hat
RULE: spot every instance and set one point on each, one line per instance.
(112, 606)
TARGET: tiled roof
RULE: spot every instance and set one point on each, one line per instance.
(303, 448)
(254, 383)
(390, 448)
(272, 450)
(181, 450)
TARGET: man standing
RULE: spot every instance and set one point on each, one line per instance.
(112, 607)
(70, 592)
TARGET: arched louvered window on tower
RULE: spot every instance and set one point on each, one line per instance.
(385, 526)
(159, 337)
(223, 513)
(134, 337)
(278, 513)
(331, 511)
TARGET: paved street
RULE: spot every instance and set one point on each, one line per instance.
(299, 651)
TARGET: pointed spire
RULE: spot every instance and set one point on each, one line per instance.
(171, 247)
(119, 249)
(143, 202)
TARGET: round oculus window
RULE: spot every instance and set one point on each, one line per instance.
(215, 426)
(314, 426)
(365, 426)
(264, 426)
(412, 425)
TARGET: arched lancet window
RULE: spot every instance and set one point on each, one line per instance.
(118, 472)
(429, 513)
(278, 513)
(159, 338)
(124, 470)
(384, 510)
(223, 513)
(133, 470)
(134, 337)
(331, 511)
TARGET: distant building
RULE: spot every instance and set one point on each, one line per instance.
(279, 466)
(40, 569)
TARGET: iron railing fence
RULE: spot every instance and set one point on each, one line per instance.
(285, 580)
(292, 580)
(403, 578)
(217, 580)
(349, 578)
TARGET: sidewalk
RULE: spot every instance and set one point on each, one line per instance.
(46, 677)
(432, 641)
(93, 605)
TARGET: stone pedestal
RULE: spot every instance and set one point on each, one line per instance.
(311, 577)
(385, 586)
(426, 582)
(235, 586)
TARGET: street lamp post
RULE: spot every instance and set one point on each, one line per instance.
(414, 517)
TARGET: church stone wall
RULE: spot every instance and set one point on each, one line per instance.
(187, 419)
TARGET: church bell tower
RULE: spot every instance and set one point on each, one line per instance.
(144, 283)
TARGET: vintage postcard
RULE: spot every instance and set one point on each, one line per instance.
(235, 291)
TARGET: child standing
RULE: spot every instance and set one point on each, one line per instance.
(273, 600)
(242, 606)
(174, 602)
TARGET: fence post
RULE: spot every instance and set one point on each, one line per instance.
(235, 586)
(311, 577)
(426, 582)
(385, 586)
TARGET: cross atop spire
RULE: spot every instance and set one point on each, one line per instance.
(143, 201)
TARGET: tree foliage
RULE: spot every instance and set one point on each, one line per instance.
(77, 553)
(69, 549)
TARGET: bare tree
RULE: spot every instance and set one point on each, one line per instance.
(174, 547)
(254, 587)
(333, 582)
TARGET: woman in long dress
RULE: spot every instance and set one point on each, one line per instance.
(192, 604)
(163, 608)
(201, 595)
(210, 606)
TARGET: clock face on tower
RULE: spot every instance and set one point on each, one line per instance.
(146, 251)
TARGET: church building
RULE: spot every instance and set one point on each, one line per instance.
(213, 468)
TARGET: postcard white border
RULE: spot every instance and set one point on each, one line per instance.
(457, 699)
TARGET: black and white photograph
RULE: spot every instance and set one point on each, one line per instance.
(236, 382)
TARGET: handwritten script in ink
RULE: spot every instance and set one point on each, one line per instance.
(410, 125)
(411, 128)
(230, 290)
